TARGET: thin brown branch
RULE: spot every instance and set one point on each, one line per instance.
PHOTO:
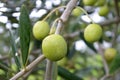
(110, 21)
(72, 35)
(115, 30)
(29, 67)
(64, 17)
(48, 74)
(4, 57)
(101, 51)
(117, 7)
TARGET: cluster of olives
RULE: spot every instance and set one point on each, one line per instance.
(103, 7)
(54, 46)
(102, 4)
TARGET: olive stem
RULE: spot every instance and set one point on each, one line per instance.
(54, 11)
(64, 17)
(86, 14)
(106, 68)
(53, 25)
(28, 68)
(48, 73)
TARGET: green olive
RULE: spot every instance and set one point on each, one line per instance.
(77, 12)
(104, 10)
(89, 2)
(54, 47)
(40, 30)
(110, 54)
(92, 33)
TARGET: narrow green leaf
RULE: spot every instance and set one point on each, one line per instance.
(115, 64)
(24, 32)
(71, 51)
(67, 75)
(14, 50)
(4, 66)
(90, 45)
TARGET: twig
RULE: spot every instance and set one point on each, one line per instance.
(72, 35)
(110, 21)
(106, 77)
(48, 75)
(106, 68)
(64, 17)
(115, 30)
(117, 7)
(28, 68)
(4, 57)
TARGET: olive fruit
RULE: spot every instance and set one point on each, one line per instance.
(77, 12)
(62, 62)
(89, 2)
(100, 3)
(54, 47)
(40, 30)
(109, 54)
(103, 11)
(92, 33)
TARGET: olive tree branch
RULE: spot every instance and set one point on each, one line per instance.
(106, 68)
(115, 30)
(110, 21)
(48, 74)
(64, 17)
(29, 67)
(103, 24)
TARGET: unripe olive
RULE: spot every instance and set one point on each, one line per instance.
(89, 2)
(54, 47)
(62, 62)
(110, 54)
(40, 30)
(92, 33)
(76, 12)
(100, 3)
(104, 10)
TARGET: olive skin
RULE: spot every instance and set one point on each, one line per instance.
(40, 30)
(104, 10)
(76, 12)
(89, 2)
(92, 33)
(54, 47)
(110, 54)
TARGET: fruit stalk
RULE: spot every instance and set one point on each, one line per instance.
(53, 11)
(86, 14)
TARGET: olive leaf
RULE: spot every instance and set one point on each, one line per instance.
(67, 75)
(90, 45)
(14, 50)
(24, 32)
(115, 64)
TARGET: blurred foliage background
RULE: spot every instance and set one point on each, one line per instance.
(83, 59)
